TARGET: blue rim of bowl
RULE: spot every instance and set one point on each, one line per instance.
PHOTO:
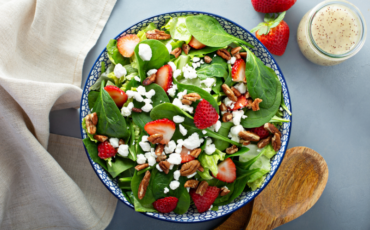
(287, 143)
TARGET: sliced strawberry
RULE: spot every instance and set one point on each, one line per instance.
(126, 44)
(205, 115)
(164, 77)
(185, 157)
(161, 126)
(226, 171)
(165, 205)
(106, 150)
(238, 71)
(240, 103)
(118, 96)
(203, 203)
(196, 44)
(261, 131)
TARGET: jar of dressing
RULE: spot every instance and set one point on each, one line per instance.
(331, 32)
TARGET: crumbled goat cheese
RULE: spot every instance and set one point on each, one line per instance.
(145, 52)
(126, 111)
(147, 107)
(181, 94)
(231, 61)
(217, 126)
(178, 119)
(166, 190)
(177, 73)
(174, 184)
(170, 147)
(159, 168)
(145, 146)
(179, 104)
(237, 116)
(135, 95)
(189, 72)
(180, 143)
(204, 132)
(173, 66)
(229, 103)
(192, 142)
(172, 91)
(114, 142)
(119, 71)
(241, 87)
(176, 174)
(196, 59)
(151, 71)
(208, 82)
(171, 167)
(183, 131)
(148, 101)
(234, 132)
(137, 79)
(208, 89)
(201, 62)
(174, 159)
(141, 90)
(196, 65)
(210, 148)
(141, 159)
(123, 150)
(192, 175)
(151, 160)
(144, 138)
(169, 47)
(150, 93)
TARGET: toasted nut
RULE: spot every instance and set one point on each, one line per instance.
(100, 138)
(149, 80)
(243, 55)
(121, 142)
(232, 149)
(157, 35)
(271, 128)
(229, 93)
(136, 110)
(246, 95)
(207, 59)
(161, 158)
(91, 121)
(223, 107)
(200, 168)
(176, 52)
(237, 56)
(224, 54)
(185, 48)
(262, 143)
(256, 104)
(191, 184)
(159, 149)
(165, 166)
(186, 102)
(227, 117)
(276, 142)
(235, 50)
(192, 97)
(249, 103)
(143, 185)
(244, 142)
(224, 191)
(236, 92)
(249, 136)
(141, 167)
(155, 138)
(195, 152)
(189, 168)
(202, 188)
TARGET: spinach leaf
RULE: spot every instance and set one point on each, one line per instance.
(204, 51)
(162, 181)
(114, 55)
(121, 164)
(92, 150)
(217, 88)
(141, 34)
(224, 131)
(160, 56)
(91, 136)
(212, 70)
(148, 199)
(208, 31)
(220, 137)
(241, 151)
(178, 29)
(130, 70)
(110, 121)
(139, 207)
(182, 194)
(221, 199)
(140, 119)
(103, 76)
(168, 110)
(131, 143)
(91, 98)
(229, 80)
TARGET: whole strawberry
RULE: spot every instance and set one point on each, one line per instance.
(261, 132)
(205, 115)
(165, 205)
(106, 150)
(273, 33)
(272, 6)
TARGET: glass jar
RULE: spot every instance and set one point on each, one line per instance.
(331, 32)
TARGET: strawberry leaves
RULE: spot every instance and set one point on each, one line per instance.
(270, 21)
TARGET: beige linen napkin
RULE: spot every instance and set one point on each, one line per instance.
(43, 45)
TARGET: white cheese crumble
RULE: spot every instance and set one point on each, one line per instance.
(189, 72)
(159, 168)
(208, 89)
(241, 87)
(119, 71)
(147, 107)
(192, 175)
(150, 93)
(151, 160)
(141, 90)
(196, 59)
(170, 147)
(145, 52)
(204, 132)
(174, 184)
(237, 116)
(126, 111)
(174, 159)
(178, 119)
(180, 143)
(144, 138)
(177, 73)
(210, 148)
(114, 142)
(141, 159)
(234, 132)
(137, 79)
(217, 126)
(176, 174)
(179, 104)
(172, 91)
(208, 82)
(193, 141)
(145, 146)
(231, 61)
(123, 150)
(169, 47)
(173, 66)
(135, 95)
(183, 131)
(166, 190)
(151, 71)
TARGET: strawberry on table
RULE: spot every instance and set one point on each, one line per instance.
(272, 6)
(164, 77)
(126, 44)
(118, 95)
(226, 171)
(165, 205)
(240, 103)
(162, 126)
(203, 203)
(194, 43)
(261, 132)
(273, 33)
(185, 157)
(205, 115)
(238, 71)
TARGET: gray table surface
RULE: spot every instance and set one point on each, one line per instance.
(331, 111)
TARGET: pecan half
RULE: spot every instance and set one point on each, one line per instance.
(176, 52)
(232, 149)
(249, 136)
(155, 138)
(256, 104)
(192, 97)
(121, 142)
(185, 48)
(236, 92)
(91, 121)
(207, 59)
(237, 56)
(191, 184)
(189, 168)
(159, 149)
(249, 103)
(276, 142)
(149, 80)
(136, 110)
(224, 191)
(235, 50)
(244, 142)
(223, 107)
(227, 117)
(186, 102)
(262, 143)
(271, 128)
(202, 188)
(165, 166)
(229, 93)
(141, 167)
(246, 95)
(200, 168)
(243, 55)
(143, 185)
(195, 152)
(100, 138)
(224, 54)
(157, 35)
(161, 158)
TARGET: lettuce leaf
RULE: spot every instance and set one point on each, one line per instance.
(209, 162)
(91, 136)
(141, 33)
(178, 29)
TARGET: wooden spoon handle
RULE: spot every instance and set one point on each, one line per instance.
(259, 220)
(239, 219)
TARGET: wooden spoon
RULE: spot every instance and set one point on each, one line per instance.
(295, 188)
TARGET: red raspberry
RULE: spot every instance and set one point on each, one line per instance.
(165, 205)
(260, 131)
(106, 150)
(205, 115)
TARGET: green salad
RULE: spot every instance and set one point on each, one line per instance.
(184, 114)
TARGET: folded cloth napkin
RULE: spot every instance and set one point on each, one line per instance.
(46, 180)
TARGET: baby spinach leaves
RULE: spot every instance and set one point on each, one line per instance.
(114, 55)
(182, 194)
(218, 68)
(148, 199)
(120, 165)
(204, 51)
(208, 31)
(224, 131)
